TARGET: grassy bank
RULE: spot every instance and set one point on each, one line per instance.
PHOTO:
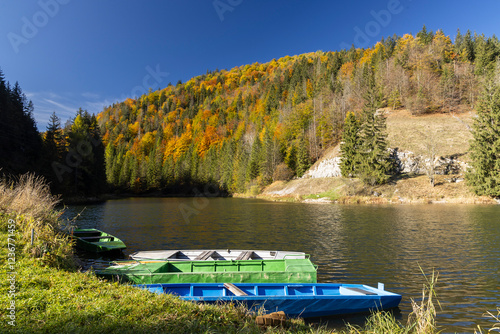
(405, 189)
(45, 293)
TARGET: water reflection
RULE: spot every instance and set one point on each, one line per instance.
(351, 244)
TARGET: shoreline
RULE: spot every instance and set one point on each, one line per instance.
(403, 190)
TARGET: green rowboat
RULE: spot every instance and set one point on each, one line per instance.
(219, 271)
(96, 241)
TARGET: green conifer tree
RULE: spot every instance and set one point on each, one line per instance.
(373, 157)
(303, 158)
(349, 145)
(484, 176)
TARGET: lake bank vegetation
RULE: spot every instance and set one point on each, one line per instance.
(241, 129)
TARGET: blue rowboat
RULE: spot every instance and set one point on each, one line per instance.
(296, 300)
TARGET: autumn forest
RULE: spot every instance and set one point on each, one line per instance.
(254, 124)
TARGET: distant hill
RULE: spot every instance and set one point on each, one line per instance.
(255, 124)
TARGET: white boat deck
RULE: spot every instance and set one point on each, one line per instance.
(217, 254)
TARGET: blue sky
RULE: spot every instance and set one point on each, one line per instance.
(68, 54)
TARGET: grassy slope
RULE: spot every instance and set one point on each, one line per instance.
(448, 132)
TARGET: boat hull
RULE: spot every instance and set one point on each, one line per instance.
(244, 271)
(96, 241)
(296, 300)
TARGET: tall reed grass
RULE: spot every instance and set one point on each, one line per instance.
(422, 319)
(29, 202)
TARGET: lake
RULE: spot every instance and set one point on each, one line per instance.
(350, 243)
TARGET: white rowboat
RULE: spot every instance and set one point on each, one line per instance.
(217, 254)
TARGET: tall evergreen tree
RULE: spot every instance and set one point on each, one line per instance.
(303, 158)
(425, 37)
(469, 47)
(349, 145)
(53, 150)
(373, 157)
(484, 176)
(254, 163)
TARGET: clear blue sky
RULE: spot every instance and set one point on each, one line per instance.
(68, 54)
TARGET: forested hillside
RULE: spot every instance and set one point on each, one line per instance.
(246, 127)
(258, 123)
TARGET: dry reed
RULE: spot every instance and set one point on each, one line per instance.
(30, 204)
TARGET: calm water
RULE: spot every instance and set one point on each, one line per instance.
(350, 244)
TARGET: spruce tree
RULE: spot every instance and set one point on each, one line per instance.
(53, 150)
(372, 165)
(484, 176)
(254, 163)
(349, 145)
(303, 159)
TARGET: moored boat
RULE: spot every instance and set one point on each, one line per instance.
(217, 271)
(296, 300)
(96, 241)
(217, 254)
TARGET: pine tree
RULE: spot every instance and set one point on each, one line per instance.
(349, 145)
(469, 47)
(425, 37)
(484, 176)
(373, 157)
(53, 150)
(154, 170)
(254, 163)
(53, 139)
(303, 159)
(291, 157)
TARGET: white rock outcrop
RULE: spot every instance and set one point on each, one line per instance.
(326, 168)
(406, 162)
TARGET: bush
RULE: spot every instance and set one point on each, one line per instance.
(283, 173)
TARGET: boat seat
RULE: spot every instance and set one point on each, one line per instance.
(246, 255)
(86, 233)
(205, 255)
(362, 291)
(97, 238)
(234, 289)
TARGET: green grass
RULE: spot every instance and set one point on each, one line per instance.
(332, 195)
